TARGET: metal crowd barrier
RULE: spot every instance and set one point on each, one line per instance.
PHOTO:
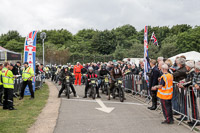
(185, 101)
(43, 77)
(17, 86)
(138, 85)
(38, 81)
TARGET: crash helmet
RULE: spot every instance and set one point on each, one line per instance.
(103, 66)
(90, 69)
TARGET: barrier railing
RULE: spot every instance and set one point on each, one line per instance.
(17, 86)
(138, 85)
(38, 81)
(193, 105)
(185, 101)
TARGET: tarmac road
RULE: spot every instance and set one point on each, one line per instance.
(78, 115)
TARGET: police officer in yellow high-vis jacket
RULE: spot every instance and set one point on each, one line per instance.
(27, 75)
(1, 86)
(8, 85)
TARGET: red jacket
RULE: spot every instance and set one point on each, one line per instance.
(91, 75)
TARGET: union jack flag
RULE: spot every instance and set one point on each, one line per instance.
(154, 39)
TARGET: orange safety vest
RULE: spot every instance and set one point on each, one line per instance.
(166, 91)
(77, 69)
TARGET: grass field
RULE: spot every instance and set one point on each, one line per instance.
(18, 121)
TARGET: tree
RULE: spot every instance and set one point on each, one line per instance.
(189, 41)
(176, 29)
(119, 53)
(169, 50)
(11, 35)
(14, 45)
(103, 43)
(136, 51)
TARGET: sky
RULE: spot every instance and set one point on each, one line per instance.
(74, 15)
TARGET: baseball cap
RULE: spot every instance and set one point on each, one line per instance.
(26, 62)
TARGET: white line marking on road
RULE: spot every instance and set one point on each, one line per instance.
(103, 107)
(109, 102)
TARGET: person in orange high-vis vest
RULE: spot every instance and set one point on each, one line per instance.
(165, 93)
(77, 73)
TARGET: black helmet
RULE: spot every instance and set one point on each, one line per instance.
(65, 67)
(103, 66)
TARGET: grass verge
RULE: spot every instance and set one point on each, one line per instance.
(18, 121)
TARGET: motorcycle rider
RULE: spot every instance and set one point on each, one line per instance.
(102, 72)
(89, 75)
(46, 69)
(62, 76)
(115, 73)
(57, 73)
(71, 68)
(53, 71)
(83, 71)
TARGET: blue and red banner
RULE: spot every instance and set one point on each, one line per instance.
(29, 54)
(146, 56)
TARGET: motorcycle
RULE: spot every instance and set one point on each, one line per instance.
(105, 87)
(120, 89)
(67, 86)
(92, 87)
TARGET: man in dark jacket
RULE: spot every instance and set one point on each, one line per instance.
(84, 69)
(17, 69)
(134, 70)
(153, 80)
(102, 72)
(62, 76)
(115, 73)
(180, 74)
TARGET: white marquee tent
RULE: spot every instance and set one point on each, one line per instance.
(192, 55)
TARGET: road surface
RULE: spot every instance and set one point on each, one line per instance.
(78, 115)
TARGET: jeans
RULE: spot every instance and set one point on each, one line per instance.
(99, 83)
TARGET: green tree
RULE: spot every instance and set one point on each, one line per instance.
(176, 29)
(11, 35)
(119, 53)
(14, 45)
(103, 43)
(189, 41)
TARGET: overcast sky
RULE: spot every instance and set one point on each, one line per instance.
(73, 15)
